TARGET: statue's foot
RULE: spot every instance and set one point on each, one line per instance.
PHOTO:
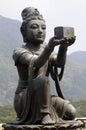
(46, 120)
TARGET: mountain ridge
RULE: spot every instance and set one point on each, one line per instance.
(79, 56)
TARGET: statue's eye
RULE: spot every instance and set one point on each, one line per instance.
(43, 26)
(34, 26)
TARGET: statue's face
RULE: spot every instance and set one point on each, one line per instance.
(36, 31)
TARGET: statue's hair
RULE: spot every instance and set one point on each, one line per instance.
(23, 30)
(28, 14)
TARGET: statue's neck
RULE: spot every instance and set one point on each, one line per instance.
(33, 46)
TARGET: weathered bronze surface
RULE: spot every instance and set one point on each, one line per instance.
(33, 102)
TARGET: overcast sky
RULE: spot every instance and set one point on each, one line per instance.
(56, 13)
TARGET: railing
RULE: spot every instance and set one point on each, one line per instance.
(81, 118)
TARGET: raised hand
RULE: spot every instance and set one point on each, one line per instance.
(55, 42)
(70, 41)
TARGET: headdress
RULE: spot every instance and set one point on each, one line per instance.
(31, 13)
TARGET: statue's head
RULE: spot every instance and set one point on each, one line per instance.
(33, 27)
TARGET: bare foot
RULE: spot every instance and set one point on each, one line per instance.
(46, 120)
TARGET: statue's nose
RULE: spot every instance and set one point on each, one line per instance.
(40, 30)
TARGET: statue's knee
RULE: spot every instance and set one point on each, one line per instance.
(70, 112)
(73, 113)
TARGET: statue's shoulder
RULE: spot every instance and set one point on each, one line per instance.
(18, 52)
(21, 50)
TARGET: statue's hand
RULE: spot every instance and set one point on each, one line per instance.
(55, 42)
(70, 41)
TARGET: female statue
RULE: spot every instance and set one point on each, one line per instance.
(35, 61)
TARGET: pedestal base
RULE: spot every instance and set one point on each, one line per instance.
(64, 125)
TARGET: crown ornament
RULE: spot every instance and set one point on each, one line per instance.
(30, 13)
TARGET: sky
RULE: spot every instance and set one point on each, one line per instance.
(71, 13)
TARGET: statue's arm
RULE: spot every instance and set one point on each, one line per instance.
(61, 56)
(62, 53)
(48, 50)
(22, 56)
(44, 56)
(59, 59)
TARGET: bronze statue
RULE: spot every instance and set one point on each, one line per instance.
(35, 61)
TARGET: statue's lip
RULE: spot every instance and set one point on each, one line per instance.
(40, 36)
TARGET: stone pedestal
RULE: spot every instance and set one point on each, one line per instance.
(64, 125)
